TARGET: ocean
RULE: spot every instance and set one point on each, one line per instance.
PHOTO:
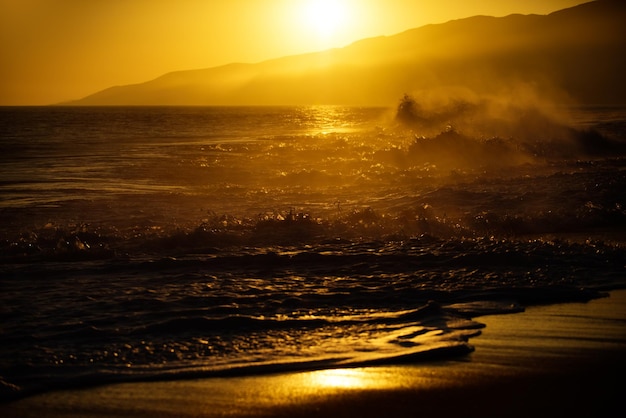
(156, 243)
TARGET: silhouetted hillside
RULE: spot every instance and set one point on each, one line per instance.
(574, 54)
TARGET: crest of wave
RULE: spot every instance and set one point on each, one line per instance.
(459, 128)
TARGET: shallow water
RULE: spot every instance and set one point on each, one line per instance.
(160, 243)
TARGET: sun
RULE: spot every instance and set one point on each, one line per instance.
(316, 25)
(324, 18)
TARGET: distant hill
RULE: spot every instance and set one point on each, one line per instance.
(577, 53)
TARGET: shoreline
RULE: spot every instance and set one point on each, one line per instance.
(561, 359)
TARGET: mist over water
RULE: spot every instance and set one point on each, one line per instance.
(156, 242)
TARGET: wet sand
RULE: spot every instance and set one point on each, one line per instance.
(560, 360)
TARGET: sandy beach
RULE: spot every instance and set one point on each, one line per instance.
(558, 360)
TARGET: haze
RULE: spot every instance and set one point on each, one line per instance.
(58, 50)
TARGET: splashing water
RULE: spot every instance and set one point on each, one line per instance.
(156, 243)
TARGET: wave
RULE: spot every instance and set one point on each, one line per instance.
(264, 310)
(293, 250)
(237, 345)
(585, 202)
(489, 132)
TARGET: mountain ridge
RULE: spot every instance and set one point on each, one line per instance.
(577, 54)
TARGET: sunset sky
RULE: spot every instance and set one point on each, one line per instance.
(57, 50)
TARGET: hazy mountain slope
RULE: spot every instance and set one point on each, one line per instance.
(577, 53)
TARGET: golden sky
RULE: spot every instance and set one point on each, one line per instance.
(58, 50)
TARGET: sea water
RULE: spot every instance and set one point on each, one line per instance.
(171, 242)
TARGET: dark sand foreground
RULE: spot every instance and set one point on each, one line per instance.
(566, 360)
